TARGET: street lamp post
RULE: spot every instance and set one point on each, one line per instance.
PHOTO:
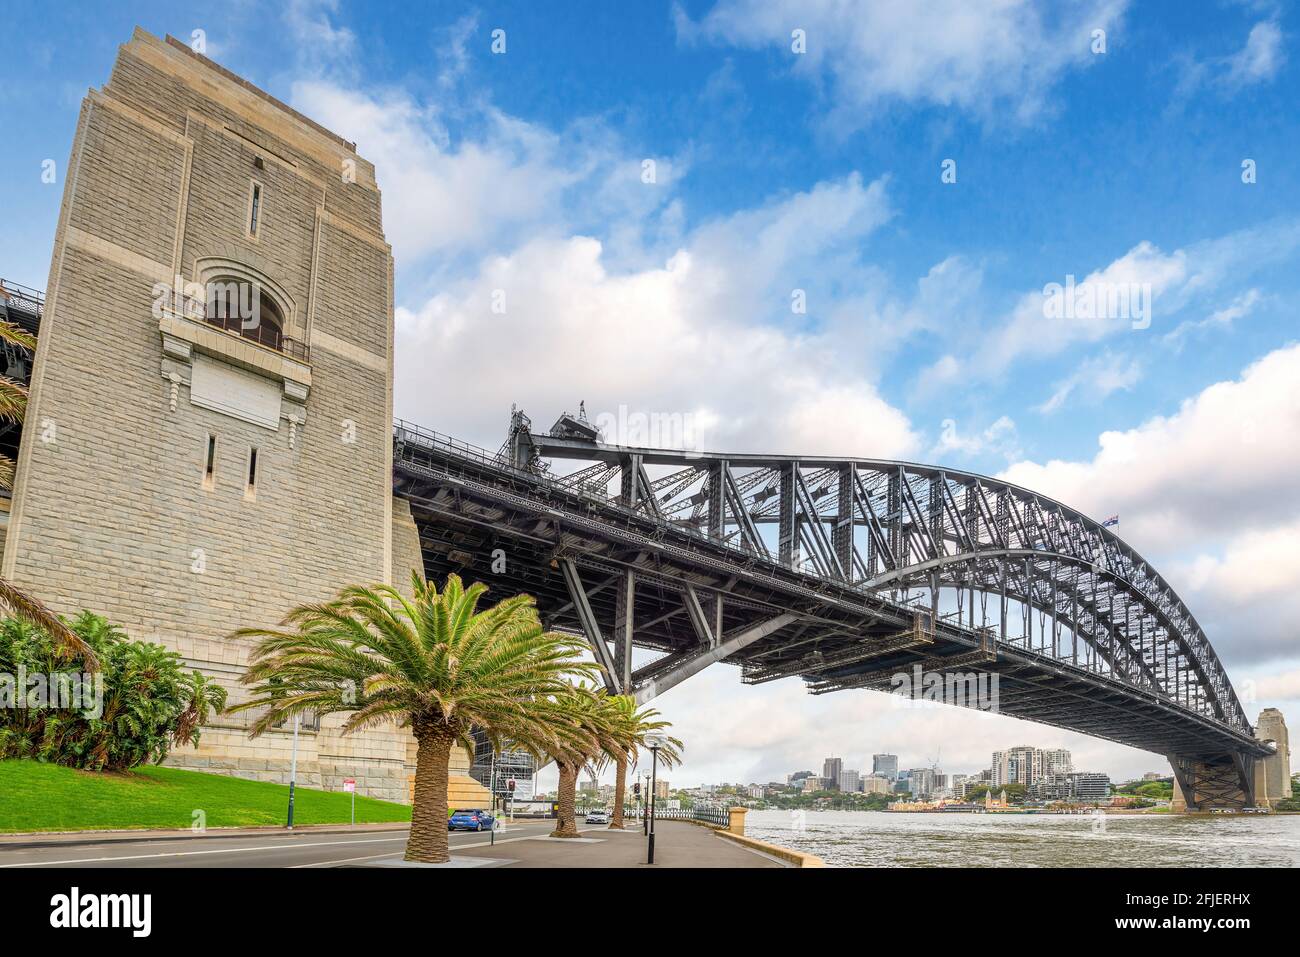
(293, 767)
(655, 741)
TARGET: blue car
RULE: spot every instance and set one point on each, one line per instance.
(470, 821)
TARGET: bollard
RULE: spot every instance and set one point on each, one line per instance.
(736, 820)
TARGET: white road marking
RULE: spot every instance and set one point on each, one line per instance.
(346, 860)
(245, 850)
(453, 847)
(223, 850)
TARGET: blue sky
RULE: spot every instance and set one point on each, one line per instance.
(924, 335)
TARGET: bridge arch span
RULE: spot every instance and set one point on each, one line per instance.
(838, 570)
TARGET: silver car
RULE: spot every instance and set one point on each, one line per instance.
(597, 817)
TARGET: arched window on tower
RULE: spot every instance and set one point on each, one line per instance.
(244, 309)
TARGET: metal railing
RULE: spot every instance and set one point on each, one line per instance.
(264, 334)
(419, 435)
(23, 297)
(714, 815)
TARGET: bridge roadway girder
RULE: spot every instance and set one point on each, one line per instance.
(670, 567)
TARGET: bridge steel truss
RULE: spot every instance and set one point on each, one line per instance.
(844, 572)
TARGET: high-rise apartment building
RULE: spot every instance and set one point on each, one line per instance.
(831, 769)
(920, 782)
(1018, 765)
(1057, 761)
(878, 784)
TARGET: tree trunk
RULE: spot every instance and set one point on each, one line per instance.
(428, 841)
(566, 824)
(620, 786)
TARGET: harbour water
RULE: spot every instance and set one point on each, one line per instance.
(890, 839)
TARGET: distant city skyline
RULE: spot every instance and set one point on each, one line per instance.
(1051, 761)
(865, 767)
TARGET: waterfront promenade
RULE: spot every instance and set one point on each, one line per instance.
(677, 844)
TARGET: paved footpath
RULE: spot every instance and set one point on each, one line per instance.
(677, 844)
(522, 844)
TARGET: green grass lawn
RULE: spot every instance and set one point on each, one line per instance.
(47, 797)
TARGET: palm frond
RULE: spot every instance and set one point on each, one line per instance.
(13, 400)
(17, 335)
(433, 659)
(33, 610)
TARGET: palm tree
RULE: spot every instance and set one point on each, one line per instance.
(633, 727)
(203, 697)
(13, 406)
(433, 663)
(586, 725)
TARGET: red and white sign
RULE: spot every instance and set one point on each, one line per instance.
(350, 784)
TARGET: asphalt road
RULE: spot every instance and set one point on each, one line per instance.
(303, 848)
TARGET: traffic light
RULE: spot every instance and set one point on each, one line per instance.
(636, 788)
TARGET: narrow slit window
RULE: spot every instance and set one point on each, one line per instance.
(251, 490)
(210, 462)
(255, 208)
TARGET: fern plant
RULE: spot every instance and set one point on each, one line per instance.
(143, 702)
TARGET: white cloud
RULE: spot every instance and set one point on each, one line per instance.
(1095, 379)
(600, 280)
(1279, 687)
(320, 45)
(1239, 308)
(985, 57)
(1176, 280)
(455, 59)
(1208, 494)
(999, 438)
(1027, 331)
(1256, 566)
(458, 195)
(1259, 60)
(647, 337)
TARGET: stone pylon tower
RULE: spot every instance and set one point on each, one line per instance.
(209, 436)
(1273, 774)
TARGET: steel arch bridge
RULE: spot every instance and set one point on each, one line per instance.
(846, 572)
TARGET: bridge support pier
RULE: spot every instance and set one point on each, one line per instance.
(1237, 780)
(624, 626)
(1225, 782)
